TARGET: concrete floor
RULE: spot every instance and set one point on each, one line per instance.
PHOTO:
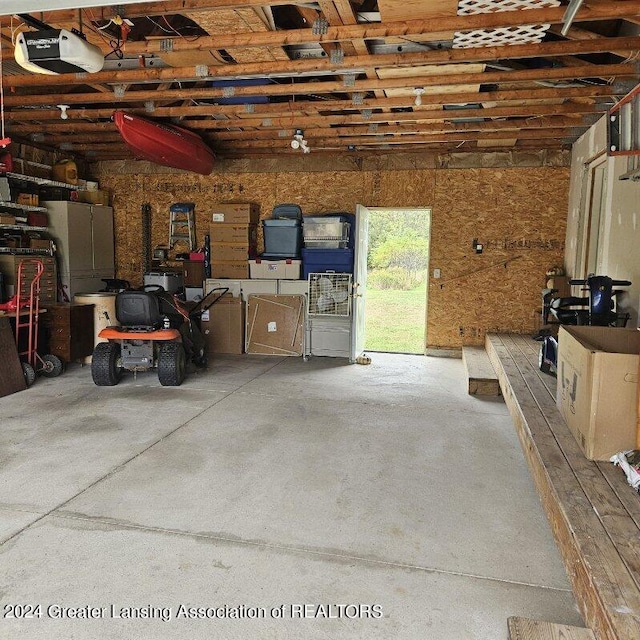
(266, 482)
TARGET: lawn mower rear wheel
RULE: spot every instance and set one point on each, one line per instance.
(172, 364)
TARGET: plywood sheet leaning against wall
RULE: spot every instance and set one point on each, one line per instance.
(518, 213)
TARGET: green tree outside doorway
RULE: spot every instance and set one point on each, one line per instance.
(397, 264)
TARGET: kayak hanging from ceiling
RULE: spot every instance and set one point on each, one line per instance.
(164, 144)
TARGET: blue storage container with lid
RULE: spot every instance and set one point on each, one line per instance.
(326, 260)
(283, 232)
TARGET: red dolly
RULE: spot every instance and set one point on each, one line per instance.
(27, 325)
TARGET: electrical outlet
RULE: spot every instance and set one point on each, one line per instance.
(436, 273)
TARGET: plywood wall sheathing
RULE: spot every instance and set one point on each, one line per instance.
(518, 213)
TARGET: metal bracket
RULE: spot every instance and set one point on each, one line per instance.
(228, 92)
(149, 106)
(249, 108)
(320, 27)
(166, 45)
(202, 71)
(119, 90)
(337, 55)
(349, 80)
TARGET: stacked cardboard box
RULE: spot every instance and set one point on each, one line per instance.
(234, 238)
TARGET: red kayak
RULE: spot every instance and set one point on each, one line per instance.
(164, 144)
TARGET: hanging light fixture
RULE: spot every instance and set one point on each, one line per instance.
(418, 91)
(298, 142)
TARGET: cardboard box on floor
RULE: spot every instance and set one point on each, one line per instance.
(223, 326)
(597, 387)
(275, 324)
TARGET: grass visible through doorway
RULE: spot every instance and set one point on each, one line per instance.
(395, 320)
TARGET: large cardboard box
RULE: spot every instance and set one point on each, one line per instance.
(275, 269)
(275, 325)
(232, 251)
(236, 213)
(223, 326)
(597, 387)
(223, 232)
(229, 269)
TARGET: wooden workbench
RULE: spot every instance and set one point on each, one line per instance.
(594, 514)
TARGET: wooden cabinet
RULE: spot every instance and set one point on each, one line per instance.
(48, 284)
(69, 330)
(193, 273)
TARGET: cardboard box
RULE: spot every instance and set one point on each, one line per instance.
(6, 218)
(275, 269)
(231, 251)
(223, 326)
(275, 324)
(223, 232)
(94, 197)
(561, 283)
(236, 213)
(597, 387)
(39, 243)
(229, 269)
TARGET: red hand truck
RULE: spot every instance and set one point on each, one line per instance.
(27, 321)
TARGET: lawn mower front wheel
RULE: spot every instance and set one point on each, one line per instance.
(106, 364)
(172, 364)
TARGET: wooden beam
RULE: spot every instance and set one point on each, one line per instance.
(108, 132)
(456, 136)
(535, 117)
(526, 629)
(303, 88)
(294, 67)
(308, 108)
(422, 28)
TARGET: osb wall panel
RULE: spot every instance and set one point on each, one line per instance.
(520, 218)
(519, 214)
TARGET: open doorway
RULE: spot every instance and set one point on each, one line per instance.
(397, 274)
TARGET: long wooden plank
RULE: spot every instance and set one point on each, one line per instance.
(605, 590)
(331, 86)
(303, 107)
(526, 629)
(426, 28)
(620, 527)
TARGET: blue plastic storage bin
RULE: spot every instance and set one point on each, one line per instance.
(325, 260)
(282, 238)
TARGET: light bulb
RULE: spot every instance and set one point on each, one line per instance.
(418, 91)
(63, 111)
(295, 144)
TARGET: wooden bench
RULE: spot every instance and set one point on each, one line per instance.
(483, 380)
(594, 514)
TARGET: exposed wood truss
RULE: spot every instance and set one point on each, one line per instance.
(350, 80)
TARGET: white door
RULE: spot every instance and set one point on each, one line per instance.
(359, 281)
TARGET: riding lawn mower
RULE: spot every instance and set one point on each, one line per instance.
(157, 331)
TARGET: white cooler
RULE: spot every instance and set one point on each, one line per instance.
(171, 282)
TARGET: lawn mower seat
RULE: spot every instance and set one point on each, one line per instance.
(138, 309)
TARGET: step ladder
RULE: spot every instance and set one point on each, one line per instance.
(182, 224)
